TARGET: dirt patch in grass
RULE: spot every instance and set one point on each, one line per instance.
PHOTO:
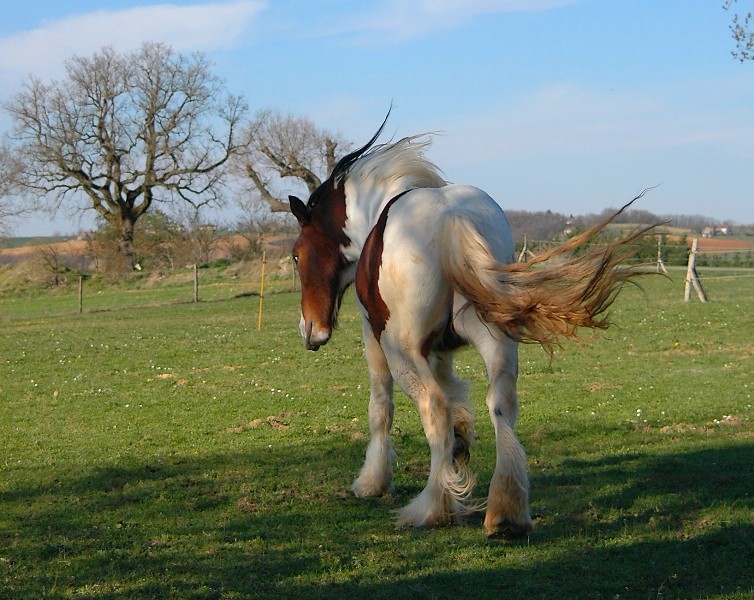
(726, 421)
(723, 245)
(274, 422)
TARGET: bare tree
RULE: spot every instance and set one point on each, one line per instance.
(287, 148)
(741, 30)
(160, 237)
(10, 207)
(255, 223)
(128, 130)
(52, 263)
(201, 237)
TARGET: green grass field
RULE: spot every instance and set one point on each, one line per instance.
(170, 450)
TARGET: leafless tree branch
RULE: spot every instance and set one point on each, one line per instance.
(741, 29)
(286, 149)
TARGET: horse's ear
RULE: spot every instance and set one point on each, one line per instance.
(300, 211)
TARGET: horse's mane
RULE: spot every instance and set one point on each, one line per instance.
(402, 161)
(386, 163)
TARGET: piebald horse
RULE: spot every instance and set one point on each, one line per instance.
(433, 267)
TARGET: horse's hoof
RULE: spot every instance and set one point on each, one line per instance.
(509, 531)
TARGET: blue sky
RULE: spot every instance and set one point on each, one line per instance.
(567, 105)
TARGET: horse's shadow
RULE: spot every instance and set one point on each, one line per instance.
(664, 492)
(221, 525)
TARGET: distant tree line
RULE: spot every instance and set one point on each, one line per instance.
(551, 226)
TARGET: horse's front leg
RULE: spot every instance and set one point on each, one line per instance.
(376, 475)
(449, 482)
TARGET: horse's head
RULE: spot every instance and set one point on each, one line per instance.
(324, 271)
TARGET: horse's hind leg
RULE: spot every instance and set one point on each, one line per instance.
(456, 391)
(376, 475)
(508, 501)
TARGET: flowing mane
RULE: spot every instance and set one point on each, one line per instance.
(400, 164)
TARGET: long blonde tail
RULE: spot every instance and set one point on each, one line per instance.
(537, 302)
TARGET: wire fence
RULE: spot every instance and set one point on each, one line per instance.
(93, 293)
(270, 274)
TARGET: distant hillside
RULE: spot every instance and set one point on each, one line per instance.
(547, 225)
(20, 242)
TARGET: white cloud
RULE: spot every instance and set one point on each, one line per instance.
(473, 8)
(201, 27)
(407, 19)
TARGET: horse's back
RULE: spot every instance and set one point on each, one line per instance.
(418, 219)
(401, 276)
(487, 216)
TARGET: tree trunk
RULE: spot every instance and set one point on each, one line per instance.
(126, 242)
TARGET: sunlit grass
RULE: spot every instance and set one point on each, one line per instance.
(171, 450)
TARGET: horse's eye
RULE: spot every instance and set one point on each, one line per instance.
(295, 258)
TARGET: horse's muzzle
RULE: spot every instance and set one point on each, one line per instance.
(314, 339)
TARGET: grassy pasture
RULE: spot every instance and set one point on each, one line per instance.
(172, 451)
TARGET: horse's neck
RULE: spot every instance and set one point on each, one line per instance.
(365, 202)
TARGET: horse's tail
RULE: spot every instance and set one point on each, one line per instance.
(536, 302)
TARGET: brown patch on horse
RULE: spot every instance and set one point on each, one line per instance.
(327, 207)
(368, 274)
(319, 252)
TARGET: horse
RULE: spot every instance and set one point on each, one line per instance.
(433, 268)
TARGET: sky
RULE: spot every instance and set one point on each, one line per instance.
(573, 106)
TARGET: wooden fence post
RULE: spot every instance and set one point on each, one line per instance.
(196, 283)
(660, 262)
(525, 252)
(692, 278)
(81, 294)
(261, 292)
